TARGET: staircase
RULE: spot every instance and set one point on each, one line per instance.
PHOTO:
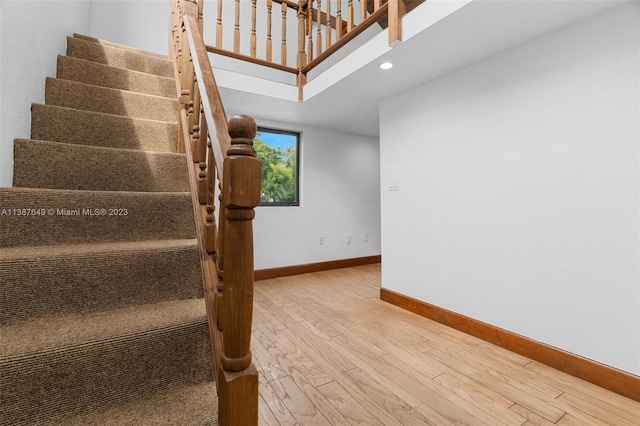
(102, 317)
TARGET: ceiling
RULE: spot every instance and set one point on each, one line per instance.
(437, 45)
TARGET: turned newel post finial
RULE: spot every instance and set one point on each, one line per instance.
(242, 130)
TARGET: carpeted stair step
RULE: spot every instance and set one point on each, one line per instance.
(52, 216)
(64, 365)
(72, 94)
(60, 124)
(116, 78)
(119, 46)
(192, 405)
(43, 164)
(117, 57)
(87, 278)
(102, 319)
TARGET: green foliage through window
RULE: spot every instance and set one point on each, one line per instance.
(278, 152)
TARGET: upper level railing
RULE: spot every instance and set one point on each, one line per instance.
(225, 182)
(309, 31)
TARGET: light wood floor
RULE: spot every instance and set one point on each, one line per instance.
(329, 352)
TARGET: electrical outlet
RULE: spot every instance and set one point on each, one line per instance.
(365, 237)
(321, 241)
(348, 238)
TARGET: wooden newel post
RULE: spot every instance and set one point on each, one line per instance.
(302, 32)
(397, 10)
(241, 181)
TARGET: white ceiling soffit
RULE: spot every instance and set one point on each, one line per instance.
(440, 36)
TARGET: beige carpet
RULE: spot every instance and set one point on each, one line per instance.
(102, 316)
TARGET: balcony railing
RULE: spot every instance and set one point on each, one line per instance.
(307, 32)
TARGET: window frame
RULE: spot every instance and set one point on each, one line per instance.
(298, 137)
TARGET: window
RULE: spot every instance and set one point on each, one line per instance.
(278, 151)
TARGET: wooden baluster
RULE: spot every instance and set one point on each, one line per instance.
(328, 25)
(253, 28)
(194, 103)
(339, 21)
(220, 247)
(202, 157)
(221, 238)
(195, 143)
(190, 77)
(210, 231)
(302, 55)
(269, 43)
(178, 53)
(201, 15)
(310, 30)
(319, 24)
(202, 182)
(376, 5)
(204, 135)
(220, 250)
(349, 16)
(219, 26)
(241, 182)
(183, 56)
(236, 30)
(283, 48)
(363, 11)
(185, 94)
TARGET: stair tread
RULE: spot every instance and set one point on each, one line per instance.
(99, 113)
(54, 191)
(81, 85)
(118, 45)
(89, 249)
(70, 125)
(118, 57)
(88, 72)
(52, 333)
(78, 95)
(105, 149)
(172, 216)
(49, 164)
(194, 405)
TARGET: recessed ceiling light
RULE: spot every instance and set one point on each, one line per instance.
(386, 65)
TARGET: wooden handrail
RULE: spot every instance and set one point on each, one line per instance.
(222, 166)
(246, 58)
(211, 103)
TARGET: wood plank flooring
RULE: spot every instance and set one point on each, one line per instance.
(329, 352)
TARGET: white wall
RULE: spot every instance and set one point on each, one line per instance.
(339, 177)
(143, 24)
(519, 190)
(32, 34)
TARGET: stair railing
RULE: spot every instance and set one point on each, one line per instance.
(225, 181)
(323, 27)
